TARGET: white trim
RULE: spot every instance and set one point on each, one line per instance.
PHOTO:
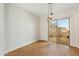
(44, 39)
(19, 46)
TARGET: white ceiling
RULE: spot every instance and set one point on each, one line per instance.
(41, 9)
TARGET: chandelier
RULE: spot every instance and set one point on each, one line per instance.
(50, 13)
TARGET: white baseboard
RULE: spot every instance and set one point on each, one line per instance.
(44, 39)
(20, 46)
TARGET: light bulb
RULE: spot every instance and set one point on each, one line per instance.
(50, 17)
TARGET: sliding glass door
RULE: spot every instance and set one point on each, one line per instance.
(60, 31)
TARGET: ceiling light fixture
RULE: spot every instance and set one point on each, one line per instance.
(50, 13)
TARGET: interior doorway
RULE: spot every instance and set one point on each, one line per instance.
(59, 31)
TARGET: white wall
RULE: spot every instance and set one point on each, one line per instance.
(22, 27)
(44, 28)
(74, 29)
(1, 29)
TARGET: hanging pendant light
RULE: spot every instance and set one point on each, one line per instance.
(50, 13)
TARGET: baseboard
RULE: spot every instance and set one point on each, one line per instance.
(19, 47)
(74, 47)
(44, 39)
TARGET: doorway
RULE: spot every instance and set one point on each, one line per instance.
(59, 31)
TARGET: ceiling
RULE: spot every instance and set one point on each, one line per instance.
(41, 9)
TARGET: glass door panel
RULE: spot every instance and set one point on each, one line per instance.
(63, 31)
(52, 36)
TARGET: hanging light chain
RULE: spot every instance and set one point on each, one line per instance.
(51, 8)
